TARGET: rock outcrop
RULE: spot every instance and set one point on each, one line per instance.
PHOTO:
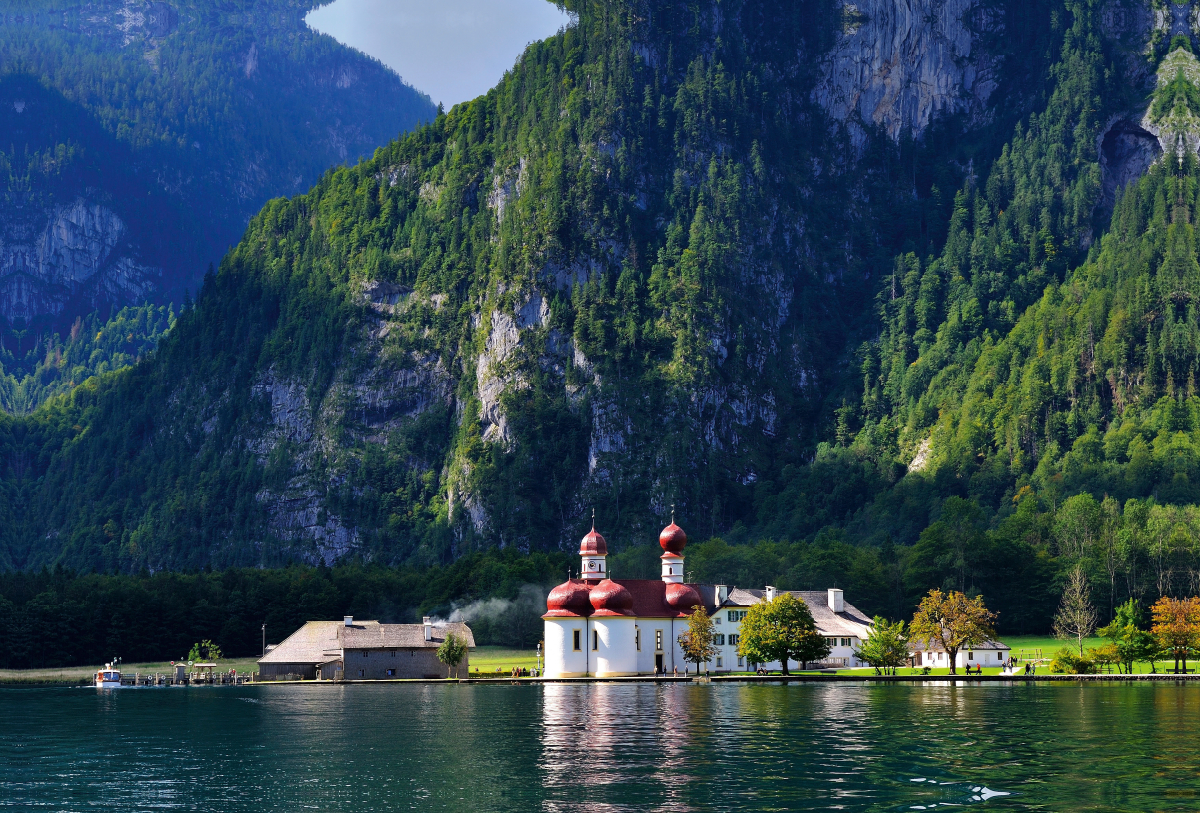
(899, 63)
(81, 251)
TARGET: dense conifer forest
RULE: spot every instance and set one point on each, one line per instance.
(648, 269)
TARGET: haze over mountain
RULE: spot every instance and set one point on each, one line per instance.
(141, 136)
(897, 294)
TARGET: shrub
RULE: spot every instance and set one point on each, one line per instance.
(1068, 662)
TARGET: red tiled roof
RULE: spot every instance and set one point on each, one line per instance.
(649, 600)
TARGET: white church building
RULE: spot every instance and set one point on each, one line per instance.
(601, 627)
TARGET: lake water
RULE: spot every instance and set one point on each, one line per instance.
(454, 50)
(602, 747)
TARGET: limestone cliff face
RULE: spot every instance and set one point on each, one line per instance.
(899, 63)
(81, 251)
(312, 449)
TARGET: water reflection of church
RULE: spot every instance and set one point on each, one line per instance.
(601, 627)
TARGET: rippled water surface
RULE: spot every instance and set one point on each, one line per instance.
(603, 747)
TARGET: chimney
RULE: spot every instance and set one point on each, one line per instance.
(722, 593)
(770, 593)
(428, 628)
(836, 603)
(349, 619)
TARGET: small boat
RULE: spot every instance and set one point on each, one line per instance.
(108, 677)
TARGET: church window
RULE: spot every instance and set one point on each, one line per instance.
(658, 640)
(576, 641)
(595, 640)
(637, 639)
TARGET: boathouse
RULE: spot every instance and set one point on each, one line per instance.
(363, 650)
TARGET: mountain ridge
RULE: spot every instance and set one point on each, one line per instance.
(648, 269)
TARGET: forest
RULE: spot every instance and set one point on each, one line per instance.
(173, 123)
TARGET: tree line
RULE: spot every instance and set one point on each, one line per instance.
(55, 618)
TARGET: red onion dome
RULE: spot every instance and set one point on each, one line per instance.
(609, 598)
(593, 545)
(568, 600)
(672, 539)
(681, 597)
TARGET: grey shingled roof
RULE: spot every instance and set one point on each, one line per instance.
(322, 641)
(850, 623)
(373, 635)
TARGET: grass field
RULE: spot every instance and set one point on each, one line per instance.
(490, 659)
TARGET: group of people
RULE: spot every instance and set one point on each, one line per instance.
(516, 671)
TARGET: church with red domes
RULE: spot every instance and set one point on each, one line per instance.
(602, 627)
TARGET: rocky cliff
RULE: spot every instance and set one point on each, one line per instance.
(80, 251)
(899, 63)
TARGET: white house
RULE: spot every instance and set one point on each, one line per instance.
(843, 624)
(601, 627)
(989, 654)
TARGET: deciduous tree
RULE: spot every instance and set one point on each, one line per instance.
(886, 647)
(1131, 643)
(451, 652)
(1076, 617)
(206, 650)
(781, 630)
(1177, 626)
(697, 641)
(954, 621)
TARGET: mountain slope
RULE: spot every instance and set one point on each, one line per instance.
(141, 136)
(627, 277)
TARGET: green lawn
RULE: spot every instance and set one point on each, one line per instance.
(487, 659)
(1027, 646)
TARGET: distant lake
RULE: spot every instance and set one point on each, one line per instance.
(603, 747)
(453, 50)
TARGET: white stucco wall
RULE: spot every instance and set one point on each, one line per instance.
(561, 658)
(615, 653)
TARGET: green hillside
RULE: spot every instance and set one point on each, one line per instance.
(652, 268)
